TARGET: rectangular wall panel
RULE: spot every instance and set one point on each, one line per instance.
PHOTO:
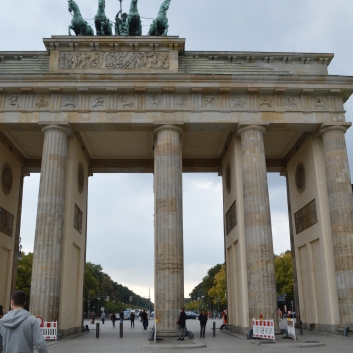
(5, 273)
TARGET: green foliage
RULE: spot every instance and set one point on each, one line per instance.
(202, 289)
(218, 291)
(99, 285)
(24, 275)
(284, 275)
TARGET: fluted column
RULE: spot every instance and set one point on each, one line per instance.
(46, 273)
(341, 215)
(169, 257)
(24, 173)
(257, 221)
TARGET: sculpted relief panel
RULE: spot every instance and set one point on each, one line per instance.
(6, 222)
(306, 217)
(113, 60)
(231, 218)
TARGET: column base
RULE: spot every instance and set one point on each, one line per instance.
(167, 333)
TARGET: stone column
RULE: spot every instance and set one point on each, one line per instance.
(46, 273)
(24, 173)
(341, 215)
(257, 222)
(292, 247)
(169, 257)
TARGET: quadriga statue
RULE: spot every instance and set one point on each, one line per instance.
(102, 23)
(133, 19)
(159, 26)
(78, 24)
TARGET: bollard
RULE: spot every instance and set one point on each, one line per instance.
(214, 329)
(97, 330)
(301, 328)
(121, 330)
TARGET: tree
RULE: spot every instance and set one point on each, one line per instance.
(24, 275)
(284, 275)
(218, 291)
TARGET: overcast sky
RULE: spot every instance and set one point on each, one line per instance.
(120, 211)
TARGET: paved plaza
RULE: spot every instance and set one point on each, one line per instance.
(136, 340)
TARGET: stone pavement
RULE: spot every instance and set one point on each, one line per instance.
(135, 341)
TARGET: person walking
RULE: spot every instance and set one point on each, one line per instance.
(93, 317)
(121, 316)
(182, 324)
(19, 329)
(132, 319)
(203, 321)
(144, 320)
(113, 318)
(103, 317)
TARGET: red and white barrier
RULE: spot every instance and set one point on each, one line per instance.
(291, 329)
(50, 330)
(263, 329)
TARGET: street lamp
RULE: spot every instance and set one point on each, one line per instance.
(88, 302)
(98, 298)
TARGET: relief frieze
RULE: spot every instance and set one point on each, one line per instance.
(319, 103)
(306, 217)
(239, 102)
(78, 219)
(231, 218)
(114, 60)
(6, 222)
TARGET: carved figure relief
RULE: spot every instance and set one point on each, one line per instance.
(114, 60)
(238, 102)
(125, 103)
(6, 179)
(98, 103)
(69, 101)
(183, 103)
(231, 218)
(306, 217)
(265, 101)
(319, 103)
(78, 219)
(6, 222)
(300, 177)
(210, 103)
(80, 177)
(42, 102)
(155, 101)
(228, 179)
(291, 103)
(13, 102)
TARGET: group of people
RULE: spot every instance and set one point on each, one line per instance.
(203, 317)
(19, 330)
(143, 318)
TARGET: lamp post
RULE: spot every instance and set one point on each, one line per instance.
(98, 298)
(88, 303)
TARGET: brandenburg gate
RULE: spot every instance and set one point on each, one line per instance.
(138, 104)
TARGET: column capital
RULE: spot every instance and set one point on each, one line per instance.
(328, 128)
(243, 128)
(63, 128)
(24, 172)
(169, 128)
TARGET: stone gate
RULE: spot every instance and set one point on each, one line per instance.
(90, 105)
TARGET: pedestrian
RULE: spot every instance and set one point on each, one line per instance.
(113, 318)
(203, 321)
(93, 317)
(182, 323)
(103, 317)
(132, 319)
(144, 319)
(1, 312)
(224, 316)
(121, 316)
(19, 329)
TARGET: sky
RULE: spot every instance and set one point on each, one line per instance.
(120, 209)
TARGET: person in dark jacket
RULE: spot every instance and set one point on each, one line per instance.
(203, 321)
(182, 324)
(93, 317)
(144, 319)
(132, 319)
(113, 318)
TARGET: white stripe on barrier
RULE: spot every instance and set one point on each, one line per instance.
(50, 330)
(263, 329)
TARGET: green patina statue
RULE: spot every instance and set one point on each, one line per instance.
(78, 24)
(134, 21)
(102, 23)
(159, 26)
(121, 24)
